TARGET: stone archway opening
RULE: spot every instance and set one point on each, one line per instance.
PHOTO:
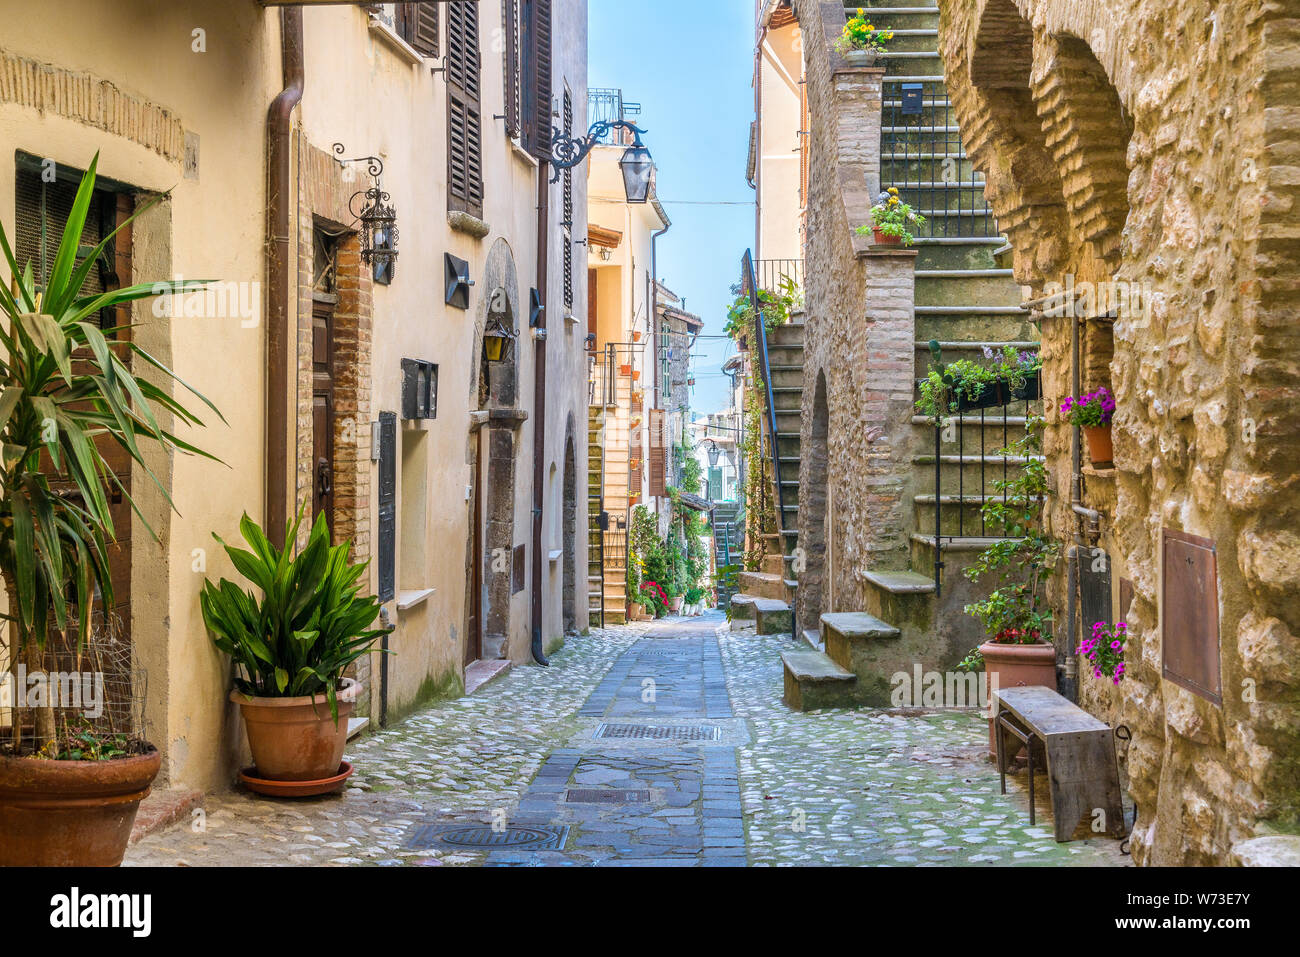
(814, 496)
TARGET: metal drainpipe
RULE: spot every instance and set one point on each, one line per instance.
(539, 403)
(278, 210)
(652, 298)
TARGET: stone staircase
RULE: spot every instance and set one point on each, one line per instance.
(966, 299)
(726, 544)
(595, 503)
(766, 596)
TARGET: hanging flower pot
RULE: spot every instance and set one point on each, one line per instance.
(636, 336)
(1092, 413)
(986, 396)
(1101, 450)
(861, 57)
(636, 375)
(1031, 391)
(625, 369)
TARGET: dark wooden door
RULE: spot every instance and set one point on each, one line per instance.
(322, 340)
(474, 635)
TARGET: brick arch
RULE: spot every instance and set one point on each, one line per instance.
(994, 106)
(1087, 131)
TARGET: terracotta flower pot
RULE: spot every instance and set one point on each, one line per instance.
(636, 337)
(1101, 450)
(635, 611)
(636, 374)
(296, 739)
(676, 604)
(71, 813)
(625, 369)
(882, 240)
(1013, 666)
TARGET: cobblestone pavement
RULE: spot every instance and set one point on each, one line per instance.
(647, 744)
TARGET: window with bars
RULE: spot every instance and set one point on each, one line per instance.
(417, 24)
(464, 110)
(41, 208)
(568, 207)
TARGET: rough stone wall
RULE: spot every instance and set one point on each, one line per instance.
(859, 337)
(1156, 141)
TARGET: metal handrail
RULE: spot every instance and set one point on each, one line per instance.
(760, 333)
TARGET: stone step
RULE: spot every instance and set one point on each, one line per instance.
(764, 584)
(813, 639)
(866, 646)
(770, 617)
(813, 680)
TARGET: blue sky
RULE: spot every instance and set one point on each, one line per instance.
(689, 63)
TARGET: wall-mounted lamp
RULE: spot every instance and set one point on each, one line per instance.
(456, 275)
(378, 219)
(497, 338)
(637, 165)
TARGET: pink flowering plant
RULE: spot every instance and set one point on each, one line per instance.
(1105, 650)
(1090, 410)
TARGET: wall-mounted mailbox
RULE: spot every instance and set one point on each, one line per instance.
(912, 100)
(419, 389)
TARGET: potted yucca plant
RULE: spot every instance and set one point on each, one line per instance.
(291, 647)
(68, 795)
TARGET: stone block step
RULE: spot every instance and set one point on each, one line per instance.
(865, 645)
(764, 584)
(901, 582)
(770, 617)
(813, 639)
(813, 680)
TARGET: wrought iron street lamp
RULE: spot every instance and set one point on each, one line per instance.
(378, 219)
(497, 338)
(713, 452)
(637, 165)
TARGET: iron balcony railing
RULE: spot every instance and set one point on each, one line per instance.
(608, 106)
(777, 275)
(921, 154)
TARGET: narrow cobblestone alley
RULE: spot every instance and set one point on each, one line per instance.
(658, 744)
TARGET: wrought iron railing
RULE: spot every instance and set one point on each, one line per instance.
(921, 154)
(615, 548)
(994, 465)
(608, 106)
(774, 275)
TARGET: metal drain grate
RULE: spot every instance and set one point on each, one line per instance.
(515, 836)
(606, 796)
(642, 732)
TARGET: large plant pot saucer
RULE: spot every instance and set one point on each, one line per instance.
(294, 789)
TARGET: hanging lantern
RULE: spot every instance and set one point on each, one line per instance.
(638, 172)
(497, 339)
(714, 453)
(379, 232)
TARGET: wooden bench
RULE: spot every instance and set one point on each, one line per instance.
(1079, 753)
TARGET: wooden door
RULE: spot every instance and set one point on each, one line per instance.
(323, 411)
(474, 633)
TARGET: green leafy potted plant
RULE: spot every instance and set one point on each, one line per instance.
(1092, 412)
(860, 43)
(69, 789)
(893, 221)
(291, 646)
(960, 386)
(1021, 370)
(1015, 615)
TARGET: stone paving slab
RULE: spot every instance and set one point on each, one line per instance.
(775, 788)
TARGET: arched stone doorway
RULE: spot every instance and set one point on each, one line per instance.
(814, 496)
(491, 556)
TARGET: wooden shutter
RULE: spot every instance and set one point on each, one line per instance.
(387, 506)
(537, 77)
(464, 110)
(417, 24)
(657, 464)
(510, 61)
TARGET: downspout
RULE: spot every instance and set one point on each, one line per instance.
(278, 208)
(539, 402)
(652, 298)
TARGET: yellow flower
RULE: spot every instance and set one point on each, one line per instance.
(893, 190)
(860, 11)
(893, 201)
(870, 27)
(890, 35)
